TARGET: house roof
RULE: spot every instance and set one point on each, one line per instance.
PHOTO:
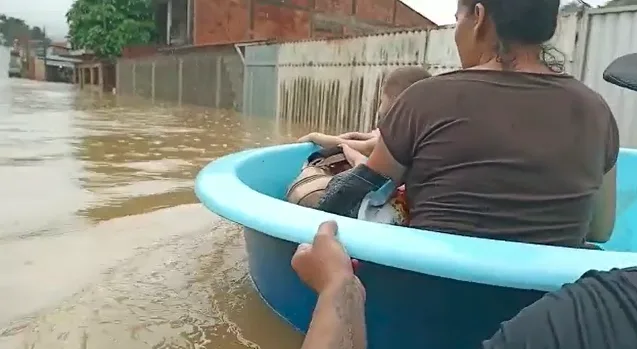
(55, 63)
(61, 44)
(61, 61)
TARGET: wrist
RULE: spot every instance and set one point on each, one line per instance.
(315, 136)
(347, 282)
(360, 160)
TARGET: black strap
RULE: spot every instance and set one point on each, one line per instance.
(324, 153)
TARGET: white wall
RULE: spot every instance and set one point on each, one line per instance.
(4, 62)
(612, 33)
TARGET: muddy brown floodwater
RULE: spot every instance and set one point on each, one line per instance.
(102, 241)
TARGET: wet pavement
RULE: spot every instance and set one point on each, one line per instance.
(102, 241)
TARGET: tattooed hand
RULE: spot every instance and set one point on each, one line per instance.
(325, 262)
(338, 321)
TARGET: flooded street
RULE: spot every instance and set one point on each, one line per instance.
(102, 241)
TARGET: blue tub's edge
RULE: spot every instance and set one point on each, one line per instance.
(499, 263)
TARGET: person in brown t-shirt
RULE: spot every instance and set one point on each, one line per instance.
(507, 148)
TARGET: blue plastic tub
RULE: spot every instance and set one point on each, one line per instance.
(424, 289)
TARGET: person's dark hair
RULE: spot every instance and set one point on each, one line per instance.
(401, 78)
(526, 22)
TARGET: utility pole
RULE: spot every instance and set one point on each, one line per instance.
(26, 43)
(45, 46)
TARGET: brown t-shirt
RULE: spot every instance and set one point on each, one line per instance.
(503, 155)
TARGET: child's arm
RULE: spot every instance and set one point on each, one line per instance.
(364, 147)
(323, 140)
(326, 141)
(357, 136)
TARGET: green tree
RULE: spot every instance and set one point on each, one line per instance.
(105, 26)
(13, 28)
(572, 6)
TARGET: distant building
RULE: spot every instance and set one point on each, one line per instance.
(60, 48)
(89, 72)
(206, 22)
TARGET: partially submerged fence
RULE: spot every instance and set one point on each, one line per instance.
(211, 77)
(333, 85)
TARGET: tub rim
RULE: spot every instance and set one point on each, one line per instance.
(450, 256)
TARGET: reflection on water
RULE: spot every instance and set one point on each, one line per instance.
(102, 242)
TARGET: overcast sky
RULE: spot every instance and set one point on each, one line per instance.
(50, 13)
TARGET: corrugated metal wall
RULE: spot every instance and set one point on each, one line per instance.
(211, 77)
(612, 33)
(334, 85)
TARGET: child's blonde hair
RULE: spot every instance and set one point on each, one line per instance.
(400, 79)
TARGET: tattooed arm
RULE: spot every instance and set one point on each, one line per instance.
(339, 317)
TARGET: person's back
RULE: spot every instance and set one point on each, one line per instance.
(506, 155)
(506, 148)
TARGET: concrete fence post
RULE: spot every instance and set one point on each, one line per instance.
(100, 74)
(152, 82)
(218, 83)
(117, 78)
(134, 91)
(180, 81)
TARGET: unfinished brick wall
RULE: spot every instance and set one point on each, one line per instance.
(281, 22)
(375, 10)
(226, 21)
(407, 17)
(220, 21)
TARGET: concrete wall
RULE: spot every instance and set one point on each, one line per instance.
(206, 76)
(229, 21)
(4, 62)
(139, 51)
(39, 70)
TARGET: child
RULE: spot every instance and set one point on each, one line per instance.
(364, 187)
(397, 81)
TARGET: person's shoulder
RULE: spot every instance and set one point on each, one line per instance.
(441, 79)
(455, 80)
(436, 84)
(569, 84)
(586, 98)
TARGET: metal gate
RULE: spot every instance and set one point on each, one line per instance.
(260, 90)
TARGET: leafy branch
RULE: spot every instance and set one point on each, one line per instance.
(106, 26)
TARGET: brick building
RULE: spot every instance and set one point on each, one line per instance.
(204, 22)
